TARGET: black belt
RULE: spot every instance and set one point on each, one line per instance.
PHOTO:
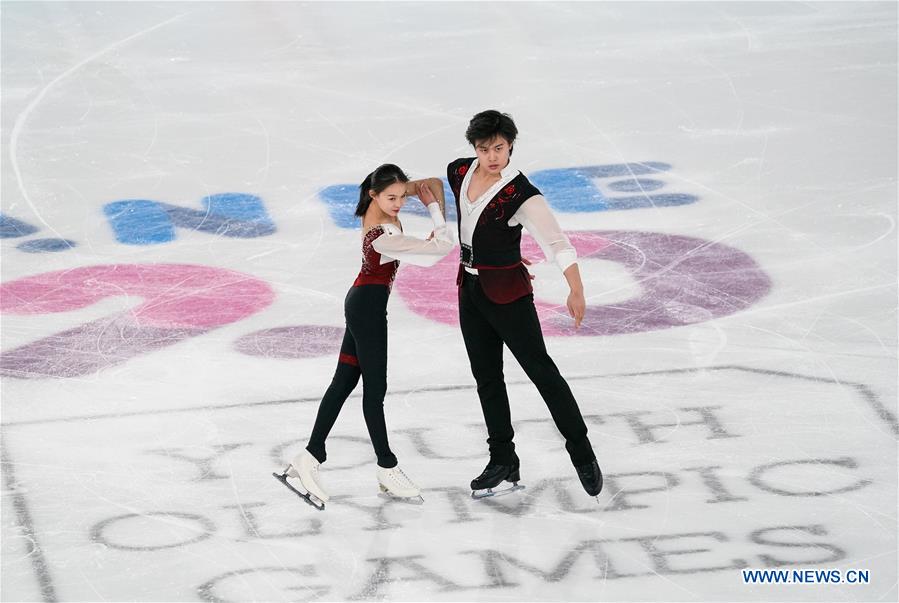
(502, 259)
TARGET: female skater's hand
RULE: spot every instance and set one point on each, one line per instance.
(576, 307)
(426, 195)
(527, 262)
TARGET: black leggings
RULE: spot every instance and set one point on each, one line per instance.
(486, 326)
(362, 353)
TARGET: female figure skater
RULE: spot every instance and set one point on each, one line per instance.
(364, 348)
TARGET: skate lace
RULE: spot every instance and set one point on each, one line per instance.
(313, 469)
(400, 478)
(585, 471)
(490, 468)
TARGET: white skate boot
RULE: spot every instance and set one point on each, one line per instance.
(395, 484)
(304, 467)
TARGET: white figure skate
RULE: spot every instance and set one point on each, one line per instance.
(396, 484)
(304, 468)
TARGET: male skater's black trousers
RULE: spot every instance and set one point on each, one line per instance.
(362, 353)
(486, 326)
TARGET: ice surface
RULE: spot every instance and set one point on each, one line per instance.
(175, 185)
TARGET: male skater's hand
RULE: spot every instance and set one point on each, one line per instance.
(426, 195)
(577, 305)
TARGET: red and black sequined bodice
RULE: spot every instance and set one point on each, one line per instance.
(373, 272)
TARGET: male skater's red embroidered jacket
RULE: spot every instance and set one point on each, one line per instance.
(490, 230)
(384, 245)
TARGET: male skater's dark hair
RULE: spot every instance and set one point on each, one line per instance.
(377, 181)
(487, 125)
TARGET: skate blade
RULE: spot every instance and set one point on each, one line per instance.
(412, 500)
(308, 498)
(489, 492)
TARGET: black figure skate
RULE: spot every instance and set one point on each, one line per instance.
(493, 475)
(591, 477)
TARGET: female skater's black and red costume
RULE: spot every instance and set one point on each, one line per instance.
(363, 352)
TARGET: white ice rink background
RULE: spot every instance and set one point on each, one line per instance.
(176, 186)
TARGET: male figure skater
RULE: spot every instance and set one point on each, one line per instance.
(496, 303)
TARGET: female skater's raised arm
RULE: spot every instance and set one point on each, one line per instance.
(435, 185)
(394, 245)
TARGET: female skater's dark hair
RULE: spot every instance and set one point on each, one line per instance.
(487, 125)
(377, 181)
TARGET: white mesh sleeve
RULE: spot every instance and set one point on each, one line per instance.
(535, 215)
(394, 245)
